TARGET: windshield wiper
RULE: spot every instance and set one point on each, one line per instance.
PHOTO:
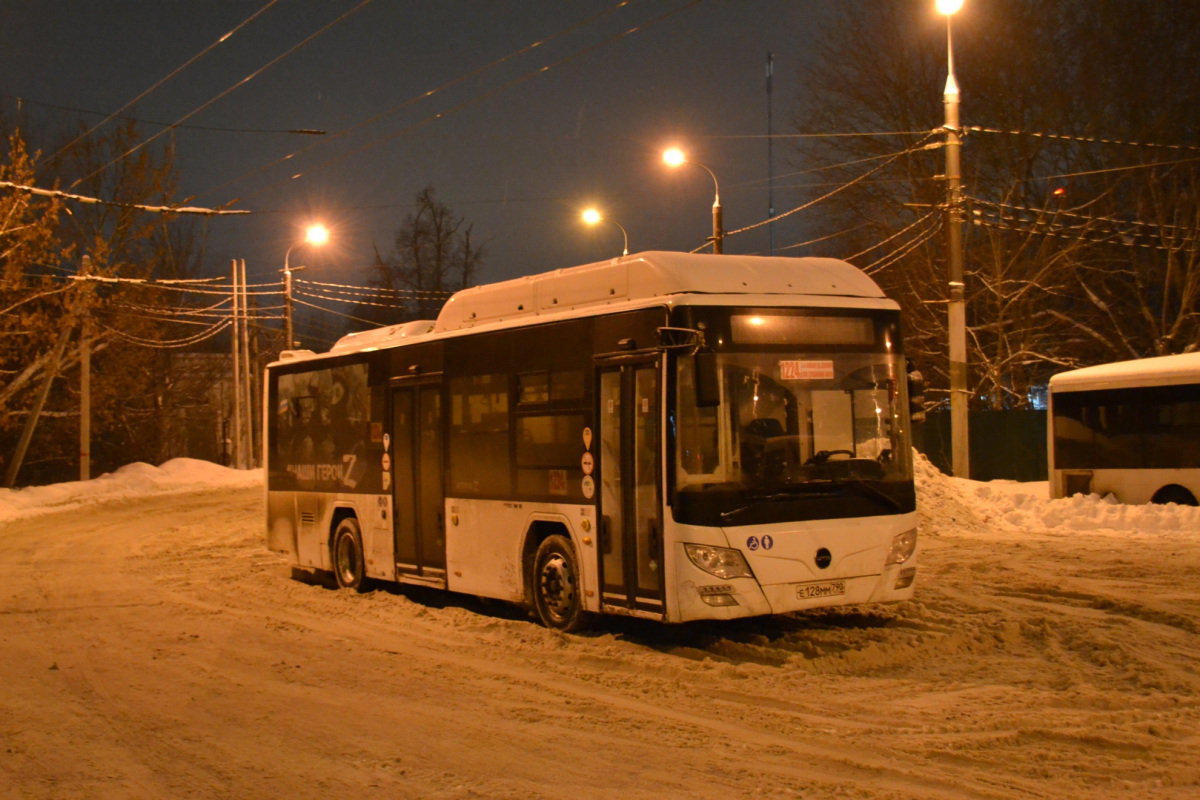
(766, 499)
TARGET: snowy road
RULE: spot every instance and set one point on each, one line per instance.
(152, 648)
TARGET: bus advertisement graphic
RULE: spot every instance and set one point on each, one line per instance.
(324, 429)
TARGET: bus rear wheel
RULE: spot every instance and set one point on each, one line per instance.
(557, 595)
(348, 563)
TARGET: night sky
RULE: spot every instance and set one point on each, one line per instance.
(517, 152)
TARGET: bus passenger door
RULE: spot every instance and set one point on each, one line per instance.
(630, 503)
(417, 492)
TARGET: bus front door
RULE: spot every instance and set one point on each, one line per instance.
(418, 505)
(630, 504)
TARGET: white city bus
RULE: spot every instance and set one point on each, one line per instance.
(1129, 429)
(663, 435)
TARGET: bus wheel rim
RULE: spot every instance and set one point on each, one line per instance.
(558, 586)
(347, 558)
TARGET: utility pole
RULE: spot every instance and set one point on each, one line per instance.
(52, 365)
(770, 158)
(237, 379)
(85, 373)
(246, 392)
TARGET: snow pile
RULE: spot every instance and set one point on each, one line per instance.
(133, 480)
(1009, 506)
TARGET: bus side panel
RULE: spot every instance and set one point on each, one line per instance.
(1138, 486)
(299, 524)
(485, 541)
(282, 519)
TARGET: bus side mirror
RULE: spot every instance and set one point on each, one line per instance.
(916, 394)
(708, 384)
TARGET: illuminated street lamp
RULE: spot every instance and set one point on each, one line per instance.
(316, 235)
(592, 216)
(674, 157)
(957, 323)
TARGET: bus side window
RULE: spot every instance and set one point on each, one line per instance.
(479, 436)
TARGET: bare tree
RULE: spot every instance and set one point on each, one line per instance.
(433, 255)
(1052, 279)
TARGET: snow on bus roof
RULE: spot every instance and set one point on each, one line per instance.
(1156, 371)
(381, 337)
(644, 276)
(626, 281)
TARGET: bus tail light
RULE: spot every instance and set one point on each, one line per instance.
(903, 545)
(720, 561)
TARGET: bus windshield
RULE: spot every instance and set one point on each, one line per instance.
(801, 431)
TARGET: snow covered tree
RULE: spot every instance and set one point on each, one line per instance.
(42, 248)
(32, 299)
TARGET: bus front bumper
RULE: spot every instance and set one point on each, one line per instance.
(708, 598)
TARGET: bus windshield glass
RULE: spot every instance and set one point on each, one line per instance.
(812, 422)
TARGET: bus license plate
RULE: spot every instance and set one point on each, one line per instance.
(808, 591)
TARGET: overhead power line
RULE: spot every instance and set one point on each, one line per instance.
(177, 70)
(140, 121)
(1127, 229)
(237, 85)
(79, 198)
(373, 290)
(485, 95)
(920, 145)
(1082, 139)
(336, 313)
(425, 95)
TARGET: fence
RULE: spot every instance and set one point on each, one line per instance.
(1004, 444)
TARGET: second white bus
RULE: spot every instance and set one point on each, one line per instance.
(1130, 429)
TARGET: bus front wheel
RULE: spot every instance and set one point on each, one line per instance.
(348, 564)
(557, 595)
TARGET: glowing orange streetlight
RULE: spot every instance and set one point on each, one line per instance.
(675, 157)
(315, 235)
(593, 216)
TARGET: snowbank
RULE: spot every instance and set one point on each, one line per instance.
(132, 480)
(1011, 507)
(991, 507)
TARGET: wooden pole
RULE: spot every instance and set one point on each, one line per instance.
(85, 376)
(248, 445)
(14, 466)
(238, 462)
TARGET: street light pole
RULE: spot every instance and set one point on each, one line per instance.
(591, 216)
(959, 394)
(288, 341)
(675, 157)
(318, 235)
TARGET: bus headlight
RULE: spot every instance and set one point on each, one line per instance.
(719, 561)
(903, 545)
